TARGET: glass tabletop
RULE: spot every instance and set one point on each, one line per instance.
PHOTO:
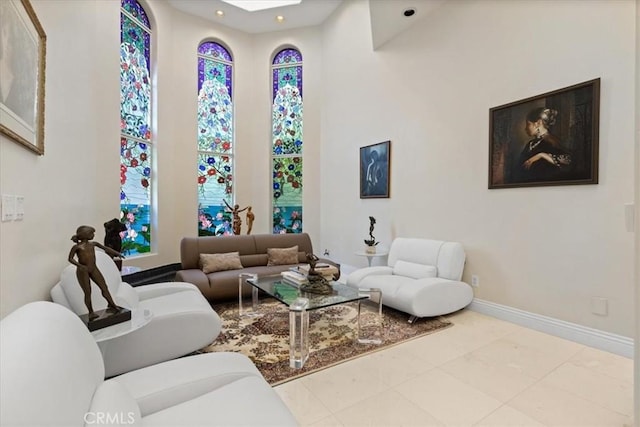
(287, 293)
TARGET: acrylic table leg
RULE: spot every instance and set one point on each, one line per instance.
(298, 333)
(370, 317)
(244, 311)
(254, 299)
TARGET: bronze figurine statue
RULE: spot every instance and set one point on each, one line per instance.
(250, 218)
(86, 268)
(237, 221)
(317, 283)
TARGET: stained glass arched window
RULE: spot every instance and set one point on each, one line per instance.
(136, 147)
(215, 139)
(287, 141)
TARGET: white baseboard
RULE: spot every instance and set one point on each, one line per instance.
(606, 341)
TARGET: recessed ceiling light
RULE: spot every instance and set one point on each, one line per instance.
(219, 12)
(253, 5)
(280, 18)
(409, 12)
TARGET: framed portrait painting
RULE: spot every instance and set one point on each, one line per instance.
(548, 139)
(22, 73)
(374, 170)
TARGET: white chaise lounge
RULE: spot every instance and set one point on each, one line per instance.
(422, 278)
(182, 320)
(52, 375)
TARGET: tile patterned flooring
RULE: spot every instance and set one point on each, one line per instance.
(481, 372)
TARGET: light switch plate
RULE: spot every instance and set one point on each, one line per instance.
(19, 213)
(8, 207)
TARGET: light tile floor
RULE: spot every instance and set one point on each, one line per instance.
(481, 372)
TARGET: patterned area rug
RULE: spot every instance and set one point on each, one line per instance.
(265, 339)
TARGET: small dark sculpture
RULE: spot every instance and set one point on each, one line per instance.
(87, 269)
(372, 241)
(317, 283)
(112, 239)
(237, 221)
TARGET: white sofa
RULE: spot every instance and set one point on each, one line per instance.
(182, 320)
(52, 375)
(422, 277)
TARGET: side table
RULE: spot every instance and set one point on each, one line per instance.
(139, 318)
(370, 257)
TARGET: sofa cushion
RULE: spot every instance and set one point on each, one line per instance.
(253, 260)
(211, 263)
(282, 256)
(192, 247)
(389, 285)
(113, 405)
(190, 377)
(265, 241)
(227, 406)
(414, 270)
(421, 251)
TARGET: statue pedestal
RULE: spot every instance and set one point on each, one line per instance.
(106, 317)
(317, 285)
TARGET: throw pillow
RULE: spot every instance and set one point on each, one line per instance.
(210, 263)
(282, 256)
(414, 270)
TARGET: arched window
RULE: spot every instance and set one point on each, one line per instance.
(287, 141)
(136, 146)
(215, 139)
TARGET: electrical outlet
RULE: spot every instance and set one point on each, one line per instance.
(475, 281)
(600, 306)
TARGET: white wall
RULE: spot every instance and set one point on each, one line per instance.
(547, 250)
(66, 187)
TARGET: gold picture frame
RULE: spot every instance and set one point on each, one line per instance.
(548, 139)
(22, 74)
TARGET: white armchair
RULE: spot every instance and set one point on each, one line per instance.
(52, 375)
(182, 319)
(422, 278)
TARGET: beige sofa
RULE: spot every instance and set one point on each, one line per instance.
(223, 285)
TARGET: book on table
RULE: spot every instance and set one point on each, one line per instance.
(294, 277)
(321, 267)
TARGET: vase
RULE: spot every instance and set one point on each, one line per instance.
(370, 249)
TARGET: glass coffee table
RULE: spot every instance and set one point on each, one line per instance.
(300, 303)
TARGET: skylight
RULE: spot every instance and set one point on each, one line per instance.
(254, 5)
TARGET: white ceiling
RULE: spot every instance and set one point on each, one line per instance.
(387, 19)
(306, 14)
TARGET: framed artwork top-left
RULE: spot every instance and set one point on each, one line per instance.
(22, 74)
